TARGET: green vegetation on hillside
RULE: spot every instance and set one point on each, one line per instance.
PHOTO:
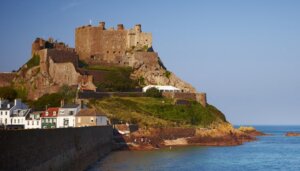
(153, 92)
(65, 93)
(34, 61)
(158, 112)
(116, 79)
(8, 93)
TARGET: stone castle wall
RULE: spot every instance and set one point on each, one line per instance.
(199, 97)
(96, 45)
(54, 149)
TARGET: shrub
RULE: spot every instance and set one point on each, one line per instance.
(167, 74)
(8, 93)
(49, 100)
(153, 92)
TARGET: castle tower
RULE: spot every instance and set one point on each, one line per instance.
(102, 25)
(138, 28)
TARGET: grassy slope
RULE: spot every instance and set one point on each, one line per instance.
(158, 112)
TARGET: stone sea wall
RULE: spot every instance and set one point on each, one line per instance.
(54, 149)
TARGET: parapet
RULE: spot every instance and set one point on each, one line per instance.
(138, 28)
(102, 25)
(120, 27)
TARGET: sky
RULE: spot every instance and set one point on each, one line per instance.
(243, 53)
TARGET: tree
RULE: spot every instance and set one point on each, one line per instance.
(153, 92)
(8, 93)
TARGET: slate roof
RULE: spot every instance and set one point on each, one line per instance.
(4, 105)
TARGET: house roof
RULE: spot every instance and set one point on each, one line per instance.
(89, 112)
(70, 106)
(52, 112)
(6, 105)
(21, 112)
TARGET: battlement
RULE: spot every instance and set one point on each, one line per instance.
(40, 44)
(99, 45)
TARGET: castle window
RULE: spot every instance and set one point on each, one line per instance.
(137, 42)
(119, 52)
(146, 40)
(107, 52)
(114, 52)
(93, 57)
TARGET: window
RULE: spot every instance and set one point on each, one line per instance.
(1, 112)
(71, 112)
(5, 121)
(54, 113)
(32, 122)
(15, 120)
(47, 113)
(54, 119)
(92, 119)
(37, 122)
(27, 122)
(18, 120)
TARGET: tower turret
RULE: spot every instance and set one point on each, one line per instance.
(102, 25)
(138, 28)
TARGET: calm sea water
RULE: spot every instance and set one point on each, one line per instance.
(275, 152)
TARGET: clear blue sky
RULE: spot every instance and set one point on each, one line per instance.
(244, 54)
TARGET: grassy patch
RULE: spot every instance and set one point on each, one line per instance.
(34, 61)
(158, 112)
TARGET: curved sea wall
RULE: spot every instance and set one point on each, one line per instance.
(54, 149)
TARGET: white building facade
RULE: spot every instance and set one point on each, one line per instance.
(66, 116)
(162, 88)
(34, 121)
(9, 109)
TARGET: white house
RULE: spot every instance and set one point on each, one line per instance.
(6, 110)
(33, 120)
(18, 118)
(162, 88)
(66, 115)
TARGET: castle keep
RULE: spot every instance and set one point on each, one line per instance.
(98, 45)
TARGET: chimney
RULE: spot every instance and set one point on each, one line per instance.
(81, 104)
(62, 102)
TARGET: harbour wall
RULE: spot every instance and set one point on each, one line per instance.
(54, 149)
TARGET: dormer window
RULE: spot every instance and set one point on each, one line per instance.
(47, 113)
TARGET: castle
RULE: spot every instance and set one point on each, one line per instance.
(98, 45)
(58, 63)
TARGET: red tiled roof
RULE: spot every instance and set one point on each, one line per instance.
(52, 112)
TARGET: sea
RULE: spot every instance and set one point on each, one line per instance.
(273, 152)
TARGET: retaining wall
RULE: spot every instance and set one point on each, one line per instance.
(54, 149)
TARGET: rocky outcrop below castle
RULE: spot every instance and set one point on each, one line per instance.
(155, 138)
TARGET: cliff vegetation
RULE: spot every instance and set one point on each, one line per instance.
(158, 112)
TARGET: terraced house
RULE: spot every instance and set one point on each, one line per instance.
(49, 118)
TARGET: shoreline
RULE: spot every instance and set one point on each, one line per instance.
(160, 138)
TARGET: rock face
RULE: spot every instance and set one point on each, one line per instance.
(292, 134)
